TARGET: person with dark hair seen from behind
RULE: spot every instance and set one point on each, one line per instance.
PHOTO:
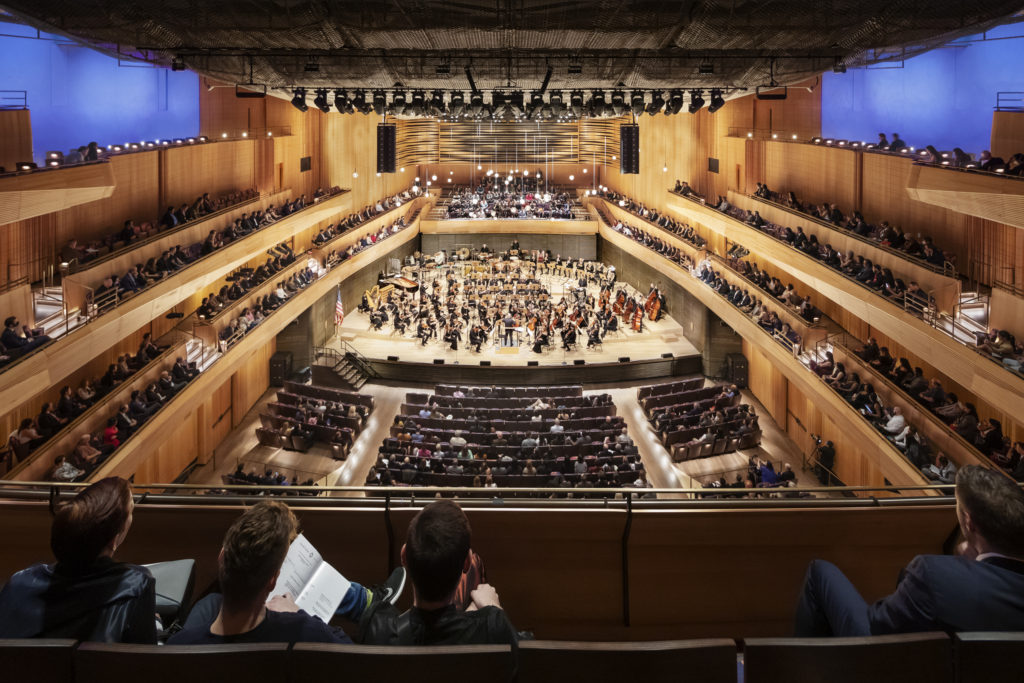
(451, 604)
(249, 564)
(92, 153)
(981, 588)
(897, 144)
(883, 143)
(86, 595)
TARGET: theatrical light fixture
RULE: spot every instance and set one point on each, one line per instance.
(675, 102)
(556, 103)
(618, 104)
(177, 64)
(657, 103)
(576, 102)
(320, 101)
(476, 103)
(696, 101)
(418, 105)
(838, 67)
(341, 102)
(299, 99)
(380, 102)
(360, 104)
(717, 101)
(457, 104)
(536, 104)
(436, 106)
(398, 103)
(636, 102)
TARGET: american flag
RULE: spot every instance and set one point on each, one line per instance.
(339, 310)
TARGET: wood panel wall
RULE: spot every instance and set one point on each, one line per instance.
(1007, 134)
(187, 172)
(15, 137)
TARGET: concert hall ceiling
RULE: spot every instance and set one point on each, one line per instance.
(510, 45)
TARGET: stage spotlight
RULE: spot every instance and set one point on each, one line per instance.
(380, 102)
(398, 103)
(576, 102)
(597, 103)
(657, 103)
(696, 101)
(299, 99)
(437, 103)
(342, 103)
(618, 104)
(717, 101)
(675, 102)
(838, 67)
(557, 103)
(536, 105)
(457, 105)
(476, 103)
(636, 102)
(418, 105)
(320, 101)
(515, 104)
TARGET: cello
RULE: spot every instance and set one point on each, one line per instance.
(627, 311)
(620, 301)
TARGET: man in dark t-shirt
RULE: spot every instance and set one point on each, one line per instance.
(437, 556)
(248, 567)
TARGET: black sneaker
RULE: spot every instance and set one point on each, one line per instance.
(389, 591)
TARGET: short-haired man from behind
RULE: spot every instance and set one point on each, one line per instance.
(248, 567)
(437, 556)
(979, 589)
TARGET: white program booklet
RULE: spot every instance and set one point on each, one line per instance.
(316, 586)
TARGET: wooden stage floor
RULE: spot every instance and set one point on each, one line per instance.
(656, 338)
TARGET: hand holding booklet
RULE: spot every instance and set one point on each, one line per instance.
(315, 586)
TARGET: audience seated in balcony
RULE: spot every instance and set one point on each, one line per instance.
(18, 340)
(981, 588)
(249, 565)
(86, 594)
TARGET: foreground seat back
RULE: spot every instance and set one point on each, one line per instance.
(116, 663)
(908, 658)
(429, 664)
(989, 657)
(40, 660)
(551, 661)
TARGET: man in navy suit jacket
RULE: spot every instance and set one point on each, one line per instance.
(979, 589)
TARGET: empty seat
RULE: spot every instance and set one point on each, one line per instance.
(40, 660)
(988, 657)
(443, 664)
(707, 661)
(907, 658)
(268, 437)
(118, 663)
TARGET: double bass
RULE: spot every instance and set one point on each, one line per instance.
(654, 308)
(652, 296)
(638, 319)
(627, 311)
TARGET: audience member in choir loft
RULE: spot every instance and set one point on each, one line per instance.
(512, 341)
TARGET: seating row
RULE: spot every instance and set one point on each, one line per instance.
(669, 387)
(328, 394)
(486, 414)
(510, 392)
(911, 658)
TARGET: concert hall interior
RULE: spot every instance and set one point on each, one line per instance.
(678, 301)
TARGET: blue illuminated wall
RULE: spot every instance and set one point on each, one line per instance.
(77, 95)
(944, 97)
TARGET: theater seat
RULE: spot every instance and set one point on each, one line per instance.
(440, 664)
(40, 660)
(907, 658)
(551, 661)
(988, 657)
(117, 663)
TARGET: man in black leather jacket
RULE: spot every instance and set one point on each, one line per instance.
(437, 554)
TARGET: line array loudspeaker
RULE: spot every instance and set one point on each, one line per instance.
(386, 147)
(629, 148)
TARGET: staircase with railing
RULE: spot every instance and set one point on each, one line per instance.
(346, 367)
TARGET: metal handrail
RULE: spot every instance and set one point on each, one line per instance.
(1009, 100)
(13, 99)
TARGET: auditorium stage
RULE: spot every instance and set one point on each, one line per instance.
(646, 350)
